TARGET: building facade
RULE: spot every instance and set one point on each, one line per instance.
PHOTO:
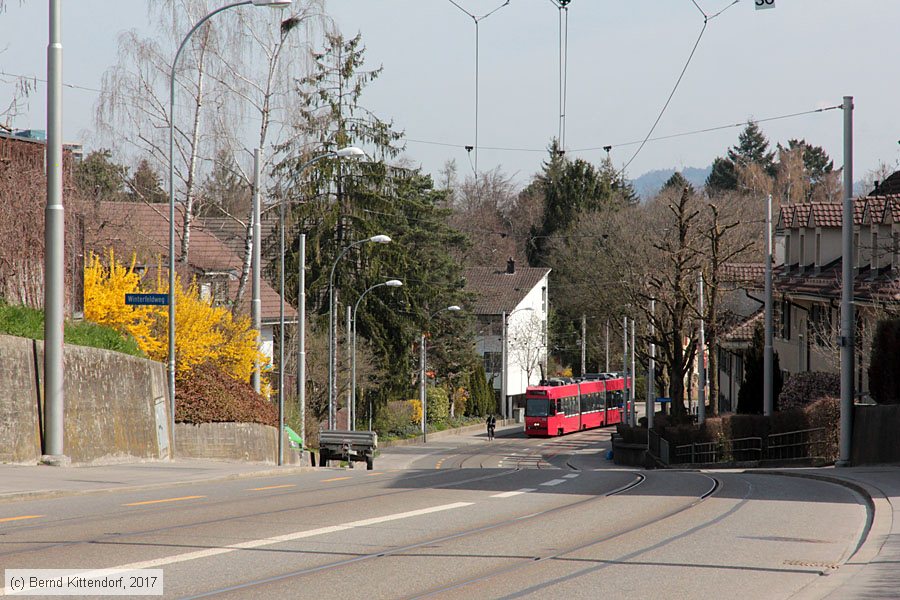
(511, 336)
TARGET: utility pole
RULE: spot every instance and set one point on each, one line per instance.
(848, 343)
(423, 399)
(701, 353)
(54, 255)
(350, 416)
(633, 371)
(768, 356)
(651, 371)
(256, 267)
(503, 367)
(607, 346)
(583, 344)
(625, 367)
(301, 341)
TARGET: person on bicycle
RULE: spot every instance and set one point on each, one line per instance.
(491, 425)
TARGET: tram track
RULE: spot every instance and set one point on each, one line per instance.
(116, 537)
(493, 527)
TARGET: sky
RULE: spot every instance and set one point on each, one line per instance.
(624, 59)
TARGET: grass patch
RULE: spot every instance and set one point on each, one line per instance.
(27, 322)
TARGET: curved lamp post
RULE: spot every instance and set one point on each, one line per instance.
(423, 399)
(378, 239)
(269, 3)
(388, 283)
(256, 306)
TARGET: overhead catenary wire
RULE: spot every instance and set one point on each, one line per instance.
(733, 125)
(563, 8)
(706, 20)
(477, 20)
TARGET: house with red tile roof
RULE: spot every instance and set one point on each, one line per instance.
(807, 283)
(512, 312)
(143, 230)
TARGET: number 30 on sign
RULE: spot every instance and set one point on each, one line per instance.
(762, 4)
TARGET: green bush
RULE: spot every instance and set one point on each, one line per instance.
(27, 322)
(395, 420)
(438, 404)
(208, 395)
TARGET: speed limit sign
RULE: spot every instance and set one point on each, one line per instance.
(762, 4)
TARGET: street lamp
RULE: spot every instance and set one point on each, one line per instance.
(378, 239)
(504, 412)
(388, 283)
(351, 152)
(269, 3)
(423, 399)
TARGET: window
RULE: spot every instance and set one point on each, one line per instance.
(492, 362)
(783, 320)
(820, 320)
(489, 325)
(537, 407)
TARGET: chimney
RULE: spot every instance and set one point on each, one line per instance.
(510, 265)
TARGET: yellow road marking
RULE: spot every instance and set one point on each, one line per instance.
(166, 500)
(272, 487)
(370, 474)
(20, 518)
(334, 479)
(439, 463)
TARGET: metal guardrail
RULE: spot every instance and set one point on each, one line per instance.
(801, 444)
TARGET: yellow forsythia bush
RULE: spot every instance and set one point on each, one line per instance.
(203, 332)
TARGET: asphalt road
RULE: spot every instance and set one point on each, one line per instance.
(466, 518)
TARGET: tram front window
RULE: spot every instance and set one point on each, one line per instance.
(537, 407)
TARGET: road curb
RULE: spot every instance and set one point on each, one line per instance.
(879, 523)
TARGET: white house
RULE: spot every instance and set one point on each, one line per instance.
(511, 307)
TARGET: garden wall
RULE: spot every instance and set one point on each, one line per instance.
(116, 406)
(876, 434)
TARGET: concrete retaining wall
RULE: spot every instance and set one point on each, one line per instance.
(116, 405)
(20, 430)
(248, 442)
(876, 434)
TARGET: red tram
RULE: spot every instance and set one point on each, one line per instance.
(566, 407)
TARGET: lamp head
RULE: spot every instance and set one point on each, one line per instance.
(453, 308)
(380, 239)
(272, 3)
(349, 151)
(393, 283)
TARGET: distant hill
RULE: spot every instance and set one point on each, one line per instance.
(651, 182)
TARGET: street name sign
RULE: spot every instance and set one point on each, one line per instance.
(147, 299)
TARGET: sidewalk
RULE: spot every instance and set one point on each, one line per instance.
(39, 481)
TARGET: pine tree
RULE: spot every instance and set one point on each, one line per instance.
(339, 202)
(678, 183)
(145, 186)
(752, 148)
(99, 178)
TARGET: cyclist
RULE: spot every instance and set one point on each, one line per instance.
(491, 425)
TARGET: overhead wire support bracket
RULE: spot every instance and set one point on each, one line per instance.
(477, 20)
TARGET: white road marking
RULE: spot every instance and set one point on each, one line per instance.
(554, 482)
(289, 537)
(571, 476)
(515, 493)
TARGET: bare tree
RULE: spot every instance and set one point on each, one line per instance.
(257, 72)
(526, 344)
